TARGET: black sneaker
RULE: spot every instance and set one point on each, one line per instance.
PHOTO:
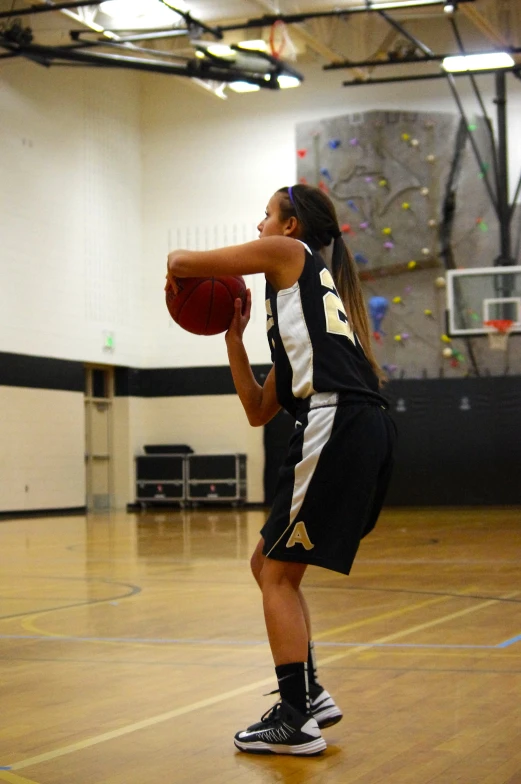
(282, 730)
(323, 706)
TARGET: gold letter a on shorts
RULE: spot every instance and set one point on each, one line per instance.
(300, 535)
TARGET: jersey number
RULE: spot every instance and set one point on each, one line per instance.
(270, 320)
(334, 308)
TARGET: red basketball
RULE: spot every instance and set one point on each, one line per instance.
(205, 306)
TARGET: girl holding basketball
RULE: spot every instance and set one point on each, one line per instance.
(333, 482)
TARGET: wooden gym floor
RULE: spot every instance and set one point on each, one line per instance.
(132, 648)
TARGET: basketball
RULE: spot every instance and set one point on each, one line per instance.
(205, 306)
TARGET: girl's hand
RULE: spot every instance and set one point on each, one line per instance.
(171, 285)
(241, 317)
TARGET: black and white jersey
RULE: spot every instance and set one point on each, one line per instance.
(318, 359)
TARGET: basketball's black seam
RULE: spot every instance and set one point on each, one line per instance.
(209, 311)
(186, 300)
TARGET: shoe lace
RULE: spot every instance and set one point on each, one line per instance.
(271, 713)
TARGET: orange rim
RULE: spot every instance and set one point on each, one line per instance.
(276, 50)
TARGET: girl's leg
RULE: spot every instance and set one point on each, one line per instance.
(323, 706)
(257, 563)
(285, 620)
(283, 613)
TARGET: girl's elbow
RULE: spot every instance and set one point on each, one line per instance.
(258, 418)
(255, 420)
(176, 264)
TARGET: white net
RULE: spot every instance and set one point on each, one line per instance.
(499, 334)
(498, 341)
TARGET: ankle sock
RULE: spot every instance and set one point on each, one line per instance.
(293, 685)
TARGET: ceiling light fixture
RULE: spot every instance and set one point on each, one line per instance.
(221, 50)
(477, 62)
(243, 87)
(286, 82)
(137, 14)
(257, 44)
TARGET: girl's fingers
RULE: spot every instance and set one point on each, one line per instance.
(247, 304)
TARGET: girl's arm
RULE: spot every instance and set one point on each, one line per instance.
(280, 258)
(259, 402)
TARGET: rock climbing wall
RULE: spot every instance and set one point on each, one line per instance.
(412, 201)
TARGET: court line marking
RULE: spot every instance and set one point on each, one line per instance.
(243, 643)
(419, 627)
(382, 617)
(135, 591)
(509, 642)
(14, 779)
(29, 623)
(153, 720)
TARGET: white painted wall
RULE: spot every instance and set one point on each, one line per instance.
(42, 451)
(70, 212)
(210, 166)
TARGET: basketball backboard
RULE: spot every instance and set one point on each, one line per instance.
(475, 296)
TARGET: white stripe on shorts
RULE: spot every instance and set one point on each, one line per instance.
(316, 435)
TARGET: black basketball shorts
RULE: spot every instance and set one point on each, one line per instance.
(331, 486)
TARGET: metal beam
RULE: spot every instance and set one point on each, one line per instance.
(367, 8)
(401, 29)
(425, 77)
(502, 155)
(433, 58)
(42, 9)
(77, 35)
(482, 106)
(193, 68)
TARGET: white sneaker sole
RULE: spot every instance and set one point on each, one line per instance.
(302, 749)
(327, 717)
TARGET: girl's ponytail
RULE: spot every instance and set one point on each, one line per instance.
(345, 275)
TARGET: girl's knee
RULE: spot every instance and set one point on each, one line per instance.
(281, 573)
(257, 562)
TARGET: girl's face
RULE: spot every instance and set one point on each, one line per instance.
(272, 225)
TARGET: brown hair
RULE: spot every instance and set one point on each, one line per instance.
(317, 216)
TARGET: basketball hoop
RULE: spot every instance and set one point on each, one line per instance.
(280, 41)
(498, 336)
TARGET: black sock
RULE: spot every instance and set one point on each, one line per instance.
(293, 685)
(312, 664)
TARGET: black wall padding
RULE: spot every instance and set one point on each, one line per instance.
(459, 442)
(179, 382)
(21, 370)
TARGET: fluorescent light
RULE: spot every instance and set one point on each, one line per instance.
(477, 62)
(221, 50)
(285, 81)
(243, 87)
(132, 14)
(258, 45)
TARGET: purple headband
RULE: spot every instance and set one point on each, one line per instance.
(290, 194)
